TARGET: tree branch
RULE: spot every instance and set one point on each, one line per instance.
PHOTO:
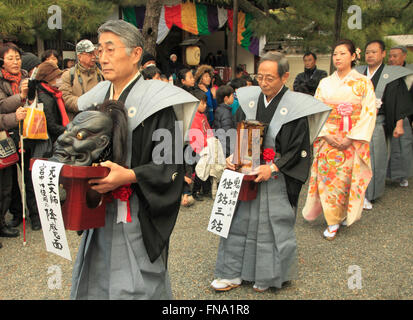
(407, 5)
(248, 7)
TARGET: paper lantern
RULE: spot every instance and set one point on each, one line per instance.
(193, 55)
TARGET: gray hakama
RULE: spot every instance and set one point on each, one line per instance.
(112, 263)
(379, 156)
(261, 245)
(379, 147)
(401, 154)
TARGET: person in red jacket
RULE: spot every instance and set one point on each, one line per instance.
(199, 133)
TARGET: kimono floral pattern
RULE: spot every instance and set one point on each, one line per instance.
(339, 179)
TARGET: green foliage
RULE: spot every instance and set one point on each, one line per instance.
(25, 19)
(379, 19)
(310, 23)
(11, 19)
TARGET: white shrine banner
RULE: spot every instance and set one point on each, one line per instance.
(45, 176)
(225, 203)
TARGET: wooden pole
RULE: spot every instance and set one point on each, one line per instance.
(60, 43)
(234, 38)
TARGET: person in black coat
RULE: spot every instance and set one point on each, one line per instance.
(307, 81)
(174, 66)
(223, 118)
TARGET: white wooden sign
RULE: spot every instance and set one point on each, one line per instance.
(45, 176)
(225, 203)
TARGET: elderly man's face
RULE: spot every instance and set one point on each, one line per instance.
(87, 59)
(269, 80)
(117, 65)
(397, 57)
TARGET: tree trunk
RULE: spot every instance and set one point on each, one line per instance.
(337, 28)
(150, 25)
(60, 43)
(40, 46)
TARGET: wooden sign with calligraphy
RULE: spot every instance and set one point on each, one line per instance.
(45, 177)
(225, 203)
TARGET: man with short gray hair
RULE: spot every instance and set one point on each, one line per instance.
(127, 258)
(397, 56)
(80, 78)
(400, 167)
(261, 245)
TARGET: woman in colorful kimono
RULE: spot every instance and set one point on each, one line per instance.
(341, 170)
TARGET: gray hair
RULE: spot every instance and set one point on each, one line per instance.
(282, 62)
(130, 36)
(402, 48)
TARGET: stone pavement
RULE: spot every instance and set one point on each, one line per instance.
(380, 246)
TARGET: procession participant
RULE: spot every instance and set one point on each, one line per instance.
(128, 260)
(393, 97)
(261, 244)
(401, 154)
(397, 56)
(341, 169)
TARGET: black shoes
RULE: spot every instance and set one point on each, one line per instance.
(207, 195)
(15, 222)
(8, 232)
(197, 196)
(36, 225)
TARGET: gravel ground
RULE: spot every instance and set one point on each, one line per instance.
(380, 245)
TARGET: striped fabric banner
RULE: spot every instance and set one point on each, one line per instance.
(198, 19)
(135, 16)
(244, 38)
(195, 18)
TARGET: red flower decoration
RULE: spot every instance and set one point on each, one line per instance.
(123, 193)
(268, 155)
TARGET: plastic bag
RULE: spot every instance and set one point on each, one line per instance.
(34, 125)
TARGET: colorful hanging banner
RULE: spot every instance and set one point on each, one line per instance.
(198, 19)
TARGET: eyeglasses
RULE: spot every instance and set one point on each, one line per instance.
(110, 50)
(266, 77)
